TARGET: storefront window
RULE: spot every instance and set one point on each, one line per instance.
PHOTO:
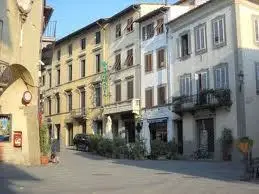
(158, 131)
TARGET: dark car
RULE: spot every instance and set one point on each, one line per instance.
(81, 141)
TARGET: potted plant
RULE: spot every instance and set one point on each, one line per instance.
(44, 145)
(227, 144)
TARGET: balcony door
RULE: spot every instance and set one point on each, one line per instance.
(82, 101)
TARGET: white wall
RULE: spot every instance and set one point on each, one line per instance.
(223, 118)
(249, 55)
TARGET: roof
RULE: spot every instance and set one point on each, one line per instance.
(190, 12)
(152, 14)
(124, 11)
(92, 25)
(179, 2)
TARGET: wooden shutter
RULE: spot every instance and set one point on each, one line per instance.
(149, 100)
(150, 62)
(130, 89)
(118, 92)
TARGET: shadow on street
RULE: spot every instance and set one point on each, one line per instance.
(222, 171)
(10, 175)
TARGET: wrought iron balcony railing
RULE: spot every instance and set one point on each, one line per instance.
(50, 30)
(79, 113)
(204, 100)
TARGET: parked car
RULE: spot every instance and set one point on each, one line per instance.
(81, 141)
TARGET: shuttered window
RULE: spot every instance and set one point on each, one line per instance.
(149, 98)
(161, 97)
(82, 68)
(118, 31)
(58, 77)
(70, 105)
(200, 38)
(70, 50)
(256, 27)
(83, 43)
(130, 89)
(160, 26)
(130, 25)
(129, 60)
(118, 91)
(185, 85)
(58, 103)
(148, 62)
(221, 77)
(218, 31)
(70, 72)
(183, 44)
(161, 58)
(98, 37)
(117, 62)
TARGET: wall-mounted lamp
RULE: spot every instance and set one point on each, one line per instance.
(241, 79)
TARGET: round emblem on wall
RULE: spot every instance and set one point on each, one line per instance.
(27, 96)
(24, 5)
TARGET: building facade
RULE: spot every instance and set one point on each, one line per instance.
(212, 60)
(19, 61)
(156, 115)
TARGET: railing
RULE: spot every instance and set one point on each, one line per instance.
(50, 30)
(206, 99)
(123, 106)
(80, 112)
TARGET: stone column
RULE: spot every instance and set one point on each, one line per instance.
(170, 130)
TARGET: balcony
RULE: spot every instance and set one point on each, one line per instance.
(209, 99)
(79, 113)
(49, 34)
(123, 106)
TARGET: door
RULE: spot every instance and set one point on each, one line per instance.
(205, 134)
(70, 134)
(179, 125)
(84, 128)
(115, 128)
(130, 130)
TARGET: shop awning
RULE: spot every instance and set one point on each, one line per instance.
(157, 120)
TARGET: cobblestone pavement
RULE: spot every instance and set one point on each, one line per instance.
(80, 173)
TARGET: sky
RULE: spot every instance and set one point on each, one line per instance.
(72, 15)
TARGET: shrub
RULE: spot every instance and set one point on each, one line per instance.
(104, 147)
(93, 143)
(44, 140)
(119, 147)
(172, 149)
(137, 150)
(158, 148)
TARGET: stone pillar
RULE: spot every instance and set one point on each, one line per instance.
(121, 128)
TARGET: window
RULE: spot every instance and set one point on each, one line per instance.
(118, 91)
(69, 98)
(161, 58)
(59, 55)
(98, 95)
(130, 89)
(70, 50)
(98, 37)
(1, 30)
(218, 31)
(49, 105)
(82, 68)
(184, 45)
(148, 31)
(148, 62)
(82, 100)
(161, 95)
(43, 80)
(160, 26)
(257, 77)
(98, 63)
(129, 60)
(58, 77)
(58, 103)
(149, 98)
(186, 85)
(50, 79)
(221, 76)
(83, 44)
(118, 31)
(70, 72)
(130, 25)
(200, 38)
(202, 81)
(256, 29)
(117, 62)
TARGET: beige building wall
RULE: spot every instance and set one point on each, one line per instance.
(23, 58)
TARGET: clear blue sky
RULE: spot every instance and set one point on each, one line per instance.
(72, 15)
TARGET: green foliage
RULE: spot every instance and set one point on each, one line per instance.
(245, 140)
(94, 141)
(119, 147)
(137, 150)
(44, 140)
(163, 149)
(104, 147)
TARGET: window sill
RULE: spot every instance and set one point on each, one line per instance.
(161, 68)
(200, 52)
(183, 58)
(129, 32)
(149, 72)
(220, 45)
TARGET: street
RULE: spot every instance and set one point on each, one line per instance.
(81, 172)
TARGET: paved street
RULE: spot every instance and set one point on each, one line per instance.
(84, 173)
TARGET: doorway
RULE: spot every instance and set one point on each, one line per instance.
(70, 134)
(179, 125)
(57, 138)
(205, 134)
(130, 130)
(115, 128)
(84, 128)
